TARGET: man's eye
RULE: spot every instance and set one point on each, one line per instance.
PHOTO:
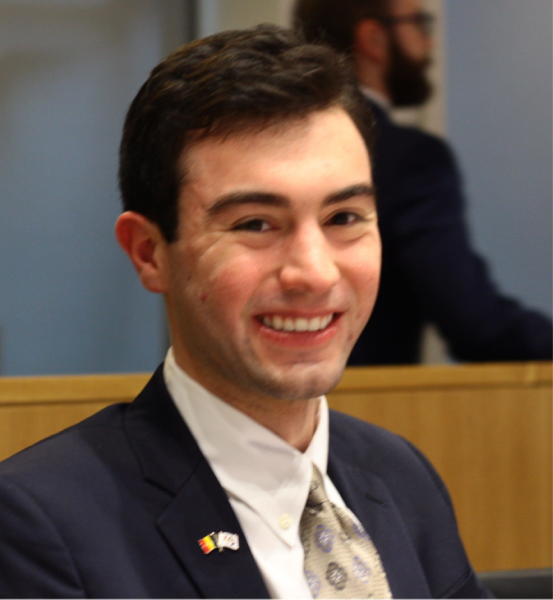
(344, 218)
(252, 225)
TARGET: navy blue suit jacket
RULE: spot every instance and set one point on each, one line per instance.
(429, 271)
(115, 506)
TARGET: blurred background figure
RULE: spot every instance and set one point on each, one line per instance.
(430, 273)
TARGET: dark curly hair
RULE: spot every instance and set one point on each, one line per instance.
(233, 81)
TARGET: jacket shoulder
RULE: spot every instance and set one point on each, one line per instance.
(349, 432)
(415, 146)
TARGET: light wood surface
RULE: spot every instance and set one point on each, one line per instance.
(32, 408)
(486, 428)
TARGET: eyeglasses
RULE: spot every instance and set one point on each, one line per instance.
(423, 20)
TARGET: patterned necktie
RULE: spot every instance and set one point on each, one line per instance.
(340, 559)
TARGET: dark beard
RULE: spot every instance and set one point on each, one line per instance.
(406, 79)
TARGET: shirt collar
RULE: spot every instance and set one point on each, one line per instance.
(253, 464)
(377, 98)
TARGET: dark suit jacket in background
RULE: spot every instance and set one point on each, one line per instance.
(429, 271)
(115, 506)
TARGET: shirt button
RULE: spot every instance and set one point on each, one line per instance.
(285, 521)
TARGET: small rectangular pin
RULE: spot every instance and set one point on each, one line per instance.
(227, 540)
(207, 544)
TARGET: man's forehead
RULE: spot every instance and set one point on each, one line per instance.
(250, 131)
(272, 165)
(281, 140)
(285, 132)
(197, 155)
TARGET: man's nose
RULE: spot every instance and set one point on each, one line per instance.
(309, 264)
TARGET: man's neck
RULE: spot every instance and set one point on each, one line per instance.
(371, 78)
(377, 98)
(295, 421)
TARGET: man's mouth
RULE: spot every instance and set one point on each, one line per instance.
(298, 324)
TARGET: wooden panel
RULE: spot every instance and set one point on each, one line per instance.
(448, 376)
(32, 408)
(21, 426)
(488, 431)
(71, 388)
(486, 428)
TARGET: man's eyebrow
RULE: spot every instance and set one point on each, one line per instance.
(363, 189)
(237, 198)
(269, 199)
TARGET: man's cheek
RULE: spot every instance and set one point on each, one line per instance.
(237, 280)
(224, 294)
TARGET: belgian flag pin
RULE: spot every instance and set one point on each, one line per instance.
(207, 544)
(220, 540)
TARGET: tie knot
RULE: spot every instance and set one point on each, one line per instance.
(317, 495)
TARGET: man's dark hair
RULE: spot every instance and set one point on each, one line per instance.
(334, 21)
(230, 82)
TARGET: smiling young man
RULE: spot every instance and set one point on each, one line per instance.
(274, 270)
(249, 205)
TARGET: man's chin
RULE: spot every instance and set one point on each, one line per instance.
(407, 81)
(304, 381)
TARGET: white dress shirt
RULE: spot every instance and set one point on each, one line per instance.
(265, 478)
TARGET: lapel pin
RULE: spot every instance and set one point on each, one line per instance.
(220, 540)
(207, 544)
(227, 540)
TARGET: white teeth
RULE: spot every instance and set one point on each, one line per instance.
(325, 321)
(288, 324)
(302, 324)
(299, 324)
(315, 324)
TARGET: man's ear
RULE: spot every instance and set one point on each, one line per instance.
(371, 41)
(143, 242)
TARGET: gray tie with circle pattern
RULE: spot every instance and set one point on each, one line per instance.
(341, 560)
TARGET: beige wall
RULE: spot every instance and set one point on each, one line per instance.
(236, 14)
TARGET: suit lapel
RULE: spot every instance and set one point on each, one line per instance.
(369, 499)
(200, 508)
(171, 459)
